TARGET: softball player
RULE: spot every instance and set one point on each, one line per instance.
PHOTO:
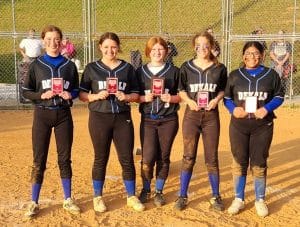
(252, 93)
(51, 111)
(201, 86)
(110, 117)
(159, 119)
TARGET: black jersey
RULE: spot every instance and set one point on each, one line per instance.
(94, 80)
(39, 80)
(265, 86)
(193, 79)
(170, 74)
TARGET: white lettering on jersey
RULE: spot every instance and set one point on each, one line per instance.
(147, 91)
(101, 85)
(260, 95)
(203, 87)
(66, 84)
(46, 84)
(122, 86)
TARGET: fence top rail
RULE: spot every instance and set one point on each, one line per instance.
(264, 37)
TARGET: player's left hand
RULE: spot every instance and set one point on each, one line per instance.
(260, 113)
(65, 95)
(212, 104)
(121, 96)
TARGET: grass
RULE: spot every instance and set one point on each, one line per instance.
(133, 18)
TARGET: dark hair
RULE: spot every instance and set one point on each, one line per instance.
(51, 28)
(109, 35)
(255, 44)
(211, 41)
(154, 40)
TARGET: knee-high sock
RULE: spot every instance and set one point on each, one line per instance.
(239, 186)
(159, 184)
(66, 183)
(98, 187)
(147, 185)
(260, 187)
(130, 187)
(35, 192)
(214, 180)
(185, 178)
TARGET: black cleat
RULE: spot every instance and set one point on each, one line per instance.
(181, 203)
(144, 196)
(216, 203)
(159, 199)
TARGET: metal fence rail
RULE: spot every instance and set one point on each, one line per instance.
(83, 21)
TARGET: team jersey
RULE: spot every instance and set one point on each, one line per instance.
(170, 74)
(193, 79)
(39, 80)
(94, 80)
(265, 86)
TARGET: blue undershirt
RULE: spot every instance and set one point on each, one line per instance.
(56, 61)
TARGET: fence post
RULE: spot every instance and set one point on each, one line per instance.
(160, 16)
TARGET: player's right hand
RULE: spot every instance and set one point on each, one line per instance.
(102, 95)
(193, 105)
(47, 95)
(239, 112)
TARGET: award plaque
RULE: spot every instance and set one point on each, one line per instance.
(202, 99)
(112, 85)
(157, 86)
(57, 85)
(251, 104)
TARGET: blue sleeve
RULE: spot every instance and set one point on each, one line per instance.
(74, 93)
(273, 104)
(229, 104)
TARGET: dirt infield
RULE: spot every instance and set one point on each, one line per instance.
(283, 191)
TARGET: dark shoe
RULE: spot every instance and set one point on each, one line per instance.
(144, 196)
(181, 203)
(159, 199)
(216, 203)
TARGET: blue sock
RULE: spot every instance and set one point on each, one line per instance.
(185, 178)
(159, 184)
(130, 187)
(35, 188)
(239, 186)
(147, 185)
(66, 183)
(214, 180)
(98, 187)
(260, 187)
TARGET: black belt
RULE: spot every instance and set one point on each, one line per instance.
(157, 117)
(53, 107)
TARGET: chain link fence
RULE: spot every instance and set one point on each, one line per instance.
(83, 21)
(263, 20)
